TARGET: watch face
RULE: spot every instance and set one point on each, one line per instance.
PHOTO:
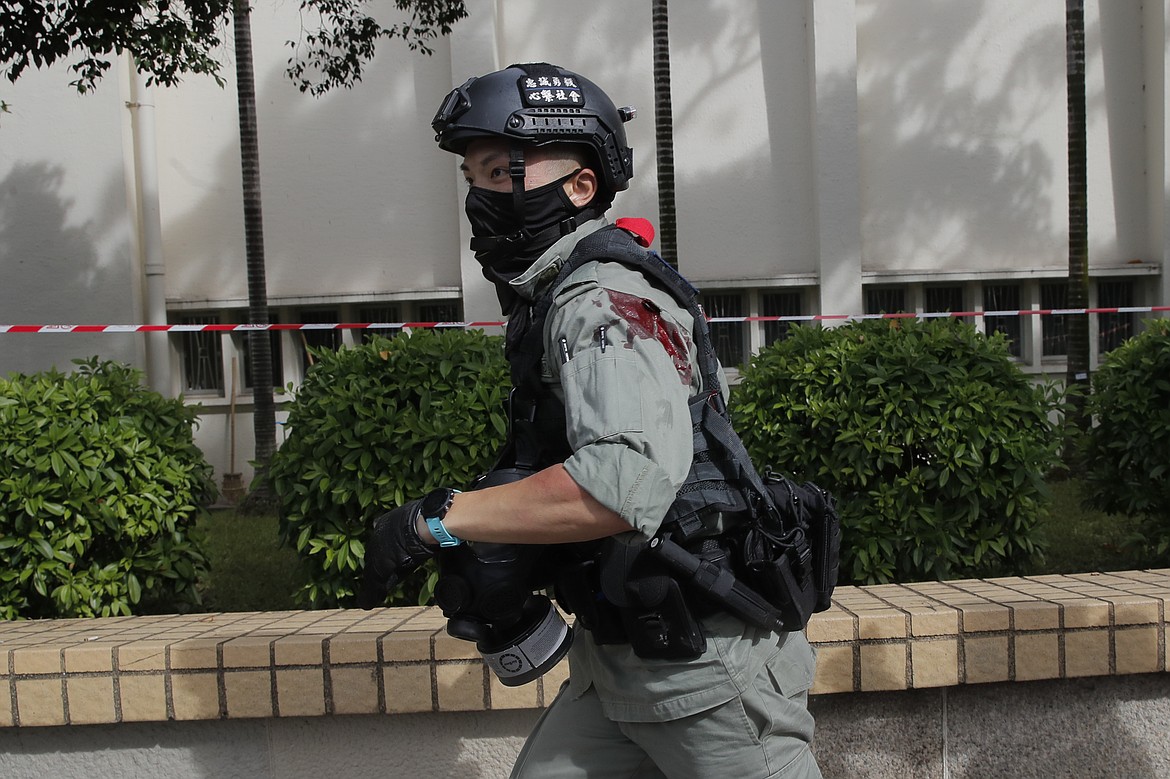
(435, 503)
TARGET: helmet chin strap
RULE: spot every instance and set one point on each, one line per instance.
(517, 171)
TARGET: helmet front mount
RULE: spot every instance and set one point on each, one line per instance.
(538, 104)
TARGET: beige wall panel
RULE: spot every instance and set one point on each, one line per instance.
(962, 117)
(67, 242)
(354, 189)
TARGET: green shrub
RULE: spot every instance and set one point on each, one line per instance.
(100, 484)
(934, 443)
(374, 427)
(1127, 454)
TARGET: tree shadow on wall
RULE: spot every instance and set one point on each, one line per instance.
(968, 176)
(976, 182)
(52, 268)
(342, 204)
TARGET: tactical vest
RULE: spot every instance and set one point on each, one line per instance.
(721, 474)
(772, 562)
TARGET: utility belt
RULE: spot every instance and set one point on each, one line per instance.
(652, 594)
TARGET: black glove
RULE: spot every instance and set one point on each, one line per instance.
(394, 550)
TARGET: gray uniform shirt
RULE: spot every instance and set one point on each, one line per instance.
(619, 353)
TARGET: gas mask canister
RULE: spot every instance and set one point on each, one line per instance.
(486, 592)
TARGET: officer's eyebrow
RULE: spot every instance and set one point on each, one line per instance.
(488, 159)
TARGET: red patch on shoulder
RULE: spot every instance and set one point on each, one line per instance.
(641, 229)
(644, 320)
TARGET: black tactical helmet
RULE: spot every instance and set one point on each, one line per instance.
(539, 103)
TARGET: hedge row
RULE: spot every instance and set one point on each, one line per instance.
(100, 488)
(934, 442)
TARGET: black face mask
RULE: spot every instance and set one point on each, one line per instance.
(506, 242)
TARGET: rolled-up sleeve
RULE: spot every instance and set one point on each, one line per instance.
(625, 385)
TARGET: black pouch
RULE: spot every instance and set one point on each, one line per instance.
(658, 622)
(823, 528)
(780, 569)
(791, 557)
(811, 510)
(666, 630)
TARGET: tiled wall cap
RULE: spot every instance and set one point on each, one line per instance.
(241, 665)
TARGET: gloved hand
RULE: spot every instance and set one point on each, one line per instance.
(393, 551)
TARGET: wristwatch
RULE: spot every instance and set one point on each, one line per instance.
(434, 508)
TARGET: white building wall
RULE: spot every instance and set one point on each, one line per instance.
(743, 143)
(608, 43)
(1116, 96)
(67, 230)
(356, 197)
(823, 145)
(962, 135)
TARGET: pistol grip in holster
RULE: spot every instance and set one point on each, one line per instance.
(578, 590)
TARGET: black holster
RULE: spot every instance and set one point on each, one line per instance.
(623, 594)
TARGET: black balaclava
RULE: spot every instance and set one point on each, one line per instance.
(511, 229)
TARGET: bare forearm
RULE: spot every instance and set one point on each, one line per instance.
(548, 507)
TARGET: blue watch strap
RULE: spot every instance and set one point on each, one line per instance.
(433, 516)
(441, 534)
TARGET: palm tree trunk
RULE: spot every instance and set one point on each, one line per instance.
(259, 343)
(1078, 207)
(664, 133)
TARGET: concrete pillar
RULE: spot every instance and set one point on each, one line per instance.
(158, 364)
(836, 160)
(1158, 138)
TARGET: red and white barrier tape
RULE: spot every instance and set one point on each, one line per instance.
(406, 325)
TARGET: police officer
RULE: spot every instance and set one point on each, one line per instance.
(544, 153)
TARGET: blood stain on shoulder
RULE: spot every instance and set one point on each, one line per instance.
(644, 320)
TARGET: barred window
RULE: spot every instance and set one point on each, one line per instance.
(386, 313)
(778, 304)
(318, 339)
(202, 356)
(729, 338)
(1054, 327)
(1004, 297)
(1114, 329)
(940, 299)
(885, 300)
(440, 311)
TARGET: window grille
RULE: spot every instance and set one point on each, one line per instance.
(440, 311)
(778, 304)
(885, 300)
(202, 356)
(318, 339)
(730, 338)
(386, 313)
(939, 299)
(1114, 329)
(1004, 297)
(1054, 327)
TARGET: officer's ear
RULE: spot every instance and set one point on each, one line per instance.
(582, 187)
